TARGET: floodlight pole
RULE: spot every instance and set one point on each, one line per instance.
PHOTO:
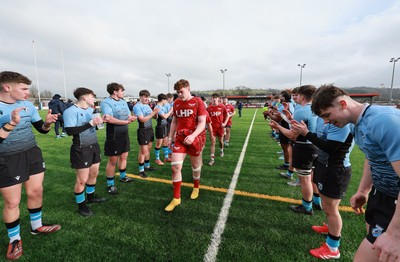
(392, 60)
(223, 81)
(168, 76)
(301, 71)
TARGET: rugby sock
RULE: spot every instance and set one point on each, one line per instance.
(177, 188)
(289, 173)
(212, 156)
(141, 167)
(13, 230)
(122, 173)
(316, 199)
(35, 215)
(110, 181)
(286, 164)
(147, 163)
(80, 197)
(307, 205)
(333, 242)
(90, 191)
(166, 151)
(157, 153)
(169, 149)
(196, 182)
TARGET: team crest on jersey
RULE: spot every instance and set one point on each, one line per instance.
(192, 105)
(177, 147)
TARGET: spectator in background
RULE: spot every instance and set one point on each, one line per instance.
(239, 107)
(57, 108)
(68, 104)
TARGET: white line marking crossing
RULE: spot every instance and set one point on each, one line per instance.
(212, 250)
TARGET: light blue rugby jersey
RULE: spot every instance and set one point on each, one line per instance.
(75, 116)
(304, 113)
(22, 137)
(377, 134)
(143, 110)
(333, 133)
(118, 109)
(163, 110)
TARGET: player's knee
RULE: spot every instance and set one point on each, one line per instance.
(196, 170)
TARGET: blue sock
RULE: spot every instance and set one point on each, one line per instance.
(35, 216)
(307, 205)
(157, 153)
(166, 151)
(316, 199)
(147, 163)
(13, 230)
(90, 189)
(333, 242)
(110, 181)
(122, 173)
(141, 167)
(80, 197)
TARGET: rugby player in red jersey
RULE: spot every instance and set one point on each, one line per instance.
(188, 127)
(230, 109)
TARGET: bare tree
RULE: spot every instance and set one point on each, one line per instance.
(46, 94)
(33, 92)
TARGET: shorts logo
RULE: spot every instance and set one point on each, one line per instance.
(17, 177)
(377, 231)
(86, 163)
(44, 165)
(320, 186)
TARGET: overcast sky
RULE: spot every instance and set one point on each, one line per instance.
(259, 42)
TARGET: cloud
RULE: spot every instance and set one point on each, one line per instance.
(259, 42)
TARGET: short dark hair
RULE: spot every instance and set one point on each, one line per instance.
(215, 95)
(81, 91)
(144, 92)
(7, 77)
(324, 97)
(307, 91)
(181, 83)
(161, 97)
(286, 95)
(114, 87)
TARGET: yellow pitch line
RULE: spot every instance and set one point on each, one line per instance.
(237, 192)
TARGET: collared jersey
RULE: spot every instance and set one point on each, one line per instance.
(76, 116)
(376, 133)
(187, 113)
(22, 137)
(217, 114)
(304, 113)
(230, 109)
(118, 109)
(143, 110)
(164, 109)
(333, 133)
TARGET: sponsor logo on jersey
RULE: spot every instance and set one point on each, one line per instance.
(218, 113)
(184, 112)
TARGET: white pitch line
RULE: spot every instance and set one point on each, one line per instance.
(212, 250)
